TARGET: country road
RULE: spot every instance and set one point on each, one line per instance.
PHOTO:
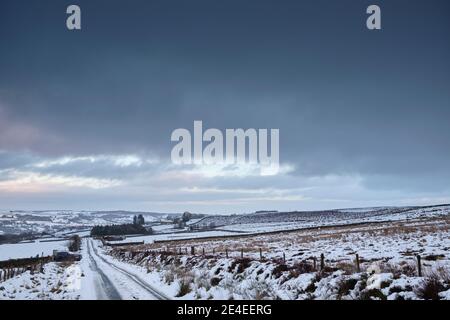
(113, 282)
(104, 288)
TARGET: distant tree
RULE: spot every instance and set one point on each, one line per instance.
(74, 243)
(140, 220)
(186, 216)
(122, 229)
(134, 220)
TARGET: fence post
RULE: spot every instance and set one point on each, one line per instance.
(322, 262)
(203, 251)
(260, 254)
(193, 250)
(226, 253)
(185, 249)
(214, 251)
(315, 263)
(357, 263)
(419, 265)
(284, 257)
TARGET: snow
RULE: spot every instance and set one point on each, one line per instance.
(27, 250)
(55, 283)
(124, 282)
(387, 241)
(387, 257)
(175, 236)
(445, 295)
(63, 221)
(284, 221)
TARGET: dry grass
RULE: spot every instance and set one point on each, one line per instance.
(272, 248)
(430, 288)
(252, 244)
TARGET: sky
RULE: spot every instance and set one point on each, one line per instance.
(86, 116)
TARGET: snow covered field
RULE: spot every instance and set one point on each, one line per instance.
(55, 283)
(387, 255)
(62, 221)
(253, 265)
(175, 236)
(27, 250)
(269, 222)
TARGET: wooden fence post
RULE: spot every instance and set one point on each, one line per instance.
(193, 250)
(315, 263)
(284, 257)
(322, 262)
(203, 251)
(419, 265)
(214, 251)
(260, 254)
(357, 263)
(226, 253)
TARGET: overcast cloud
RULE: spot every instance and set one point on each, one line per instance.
(86, 117)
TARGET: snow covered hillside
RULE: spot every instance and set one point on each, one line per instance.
(288, 265)
(16, 222)
(274, 221)
(377, 253)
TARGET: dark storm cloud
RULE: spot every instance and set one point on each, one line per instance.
(347, 101)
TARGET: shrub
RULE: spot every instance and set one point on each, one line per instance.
(184, 288)
(302, 267)
(215, 281)
(279, 269)
(241, 264)
(372, 293)
(429, 288)
(169, 277)
(442, 273)
(202, 282)
(345, 286)
(407, 268)
(347, 267)
(74, 243)
(312, 286)
(259, 291)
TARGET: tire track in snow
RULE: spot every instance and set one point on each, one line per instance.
(110, 291)
(135, 278)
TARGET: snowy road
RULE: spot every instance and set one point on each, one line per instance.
(104, 288)
(114, 282)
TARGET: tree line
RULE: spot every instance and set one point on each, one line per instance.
(121, 229)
